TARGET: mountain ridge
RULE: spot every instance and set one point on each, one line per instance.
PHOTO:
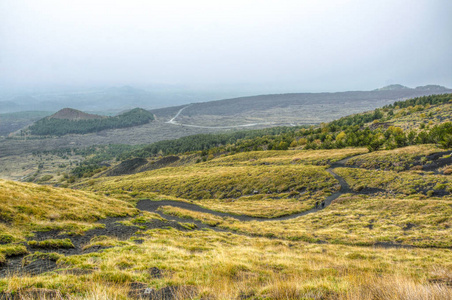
(398, 87)
(305, 102)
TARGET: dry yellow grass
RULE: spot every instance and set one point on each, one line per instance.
(25, 207)
(397, 159)
(404, 183)
(315, 157)
(265, 206)
(209, 182)
(225, 266)
(356, 220)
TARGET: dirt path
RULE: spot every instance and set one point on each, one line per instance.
(153, 206)
(177, 115)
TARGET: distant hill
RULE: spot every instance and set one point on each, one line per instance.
(74, 114)
(393, 87)
(69, 120)
(432, 87)
(291, 109)
(399, 87)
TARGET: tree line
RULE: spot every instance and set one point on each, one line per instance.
(201, 142)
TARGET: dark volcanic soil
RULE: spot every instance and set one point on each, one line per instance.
(126, 167)
(136, 165)
(14, 265)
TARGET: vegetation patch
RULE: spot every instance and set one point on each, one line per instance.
(26, 207)
(40, 256)
(52, 243)
(400, 159)
(404, 183)
(352, 220)
(102, 241)
(6, 238)
(188, 226)
(11, 250)
(267, 206)
(279, 157)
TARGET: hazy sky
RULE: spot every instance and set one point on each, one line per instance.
(323, 45)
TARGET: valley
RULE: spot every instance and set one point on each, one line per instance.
(255, 112)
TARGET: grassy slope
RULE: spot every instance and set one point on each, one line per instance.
(402, 184)
(402, 212)
(26, 207)
(225, 266)
(353, 220)
(224, 184)
(399, 211)
(408, 118)
(397, 159)
(309, 157)
(281, 182)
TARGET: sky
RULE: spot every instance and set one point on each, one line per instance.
(284, 45)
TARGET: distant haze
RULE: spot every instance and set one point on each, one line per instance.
(264, 46)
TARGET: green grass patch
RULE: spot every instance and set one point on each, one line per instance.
(188, 226)
(11, 250)
(52, 243)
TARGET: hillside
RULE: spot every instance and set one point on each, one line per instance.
(274, 184)
(27, 207)
(182, 251)
(71, 121)
(118, 97)
(357, 208)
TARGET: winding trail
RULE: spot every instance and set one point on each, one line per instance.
(153, 206)
(177, 115)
